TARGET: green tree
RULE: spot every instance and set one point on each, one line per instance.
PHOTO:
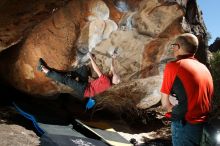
(215, 70)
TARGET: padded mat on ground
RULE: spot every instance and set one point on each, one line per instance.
(110, 137)
(68, 131)
(64, 140)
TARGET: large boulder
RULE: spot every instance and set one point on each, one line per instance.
(139, 30)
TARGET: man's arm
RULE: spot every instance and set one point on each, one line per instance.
(94, 66)
(115, 78)
(112, 68)
(166, 102)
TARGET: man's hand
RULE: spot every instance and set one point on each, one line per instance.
(90, 55)
(114, 55)
(173, 100)
(166, 104)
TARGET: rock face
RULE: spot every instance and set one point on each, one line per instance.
(19, 17)
(61, 32)
(214, 47)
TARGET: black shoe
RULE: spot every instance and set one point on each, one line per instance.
(41, 64)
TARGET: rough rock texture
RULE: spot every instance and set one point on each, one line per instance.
(140, 31)
(19, 17)
(12, 132)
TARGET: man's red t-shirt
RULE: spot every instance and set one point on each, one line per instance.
(97, 86)
(196, 83)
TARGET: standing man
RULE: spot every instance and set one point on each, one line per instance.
(191, 83)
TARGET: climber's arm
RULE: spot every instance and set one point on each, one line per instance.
(94, 66)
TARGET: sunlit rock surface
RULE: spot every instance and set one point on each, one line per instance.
(62, 31)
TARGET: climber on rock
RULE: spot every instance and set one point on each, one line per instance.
(78, 79)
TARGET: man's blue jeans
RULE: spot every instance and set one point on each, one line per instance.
(186, 134)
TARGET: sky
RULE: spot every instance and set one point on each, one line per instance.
(211, 12)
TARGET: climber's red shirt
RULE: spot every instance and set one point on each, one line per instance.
(97, 86)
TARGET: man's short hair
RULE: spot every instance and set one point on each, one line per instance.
(189, 42)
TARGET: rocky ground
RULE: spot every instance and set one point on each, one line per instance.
(15, 130)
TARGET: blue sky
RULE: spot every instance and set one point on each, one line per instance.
(210, 9)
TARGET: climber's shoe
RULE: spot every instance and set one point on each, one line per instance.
(41, 64)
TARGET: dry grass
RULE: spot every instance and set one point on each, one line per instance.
(120, 101)
(123, 104)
